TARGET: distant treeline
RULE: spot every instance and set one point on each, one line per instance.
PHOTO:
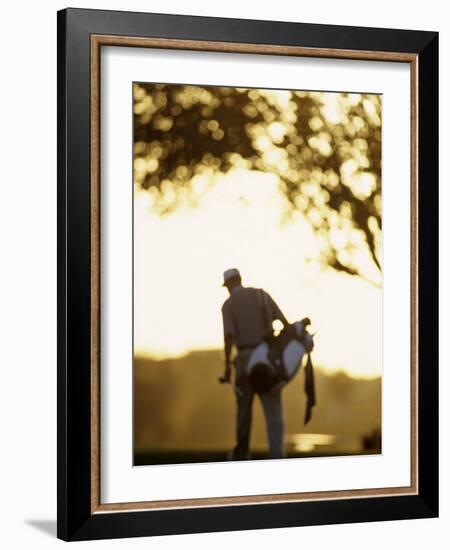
(178, 404)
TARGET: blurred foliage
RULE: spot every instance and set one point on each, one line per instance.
(324, 147)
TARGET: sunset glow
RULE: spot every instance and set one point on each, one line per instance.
(238, 222)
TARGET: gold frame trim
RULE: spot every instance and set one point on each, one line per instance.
(110, 40)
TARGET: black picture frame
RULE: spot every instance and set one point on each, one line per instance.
(76, 519)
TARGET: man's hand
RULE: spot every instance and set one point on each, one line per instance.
(226, 376)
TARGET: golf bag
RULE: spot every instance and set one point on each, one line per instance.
(276, 361)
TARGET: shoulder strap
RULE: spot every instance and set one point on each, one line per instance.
(264, 313)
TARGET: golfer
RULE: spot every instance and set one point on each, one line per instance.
(244, 329)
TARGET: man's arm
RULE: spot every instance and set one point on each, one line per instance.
(229, 330)
(226, 376)
(229, 341)
(277, 314)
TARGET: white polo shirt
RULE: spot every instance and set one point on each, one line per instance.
(243, 316)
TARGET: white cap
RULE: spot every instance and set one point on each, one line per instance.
(229, 274)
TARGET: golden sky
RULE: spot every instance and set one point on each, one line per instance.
(179, 260)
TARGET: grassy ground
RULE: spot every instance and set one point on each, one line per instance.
(182, 414)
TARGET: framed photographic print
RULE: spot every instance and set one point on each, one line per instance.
(247, 271)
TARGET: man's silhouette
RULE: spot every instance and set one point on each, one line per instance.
(245, 325)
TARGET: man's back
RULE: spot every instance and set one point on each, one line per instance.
(244, 318)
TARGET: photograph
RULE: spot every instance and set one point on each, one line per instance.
(257, 273)
(247, 262)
